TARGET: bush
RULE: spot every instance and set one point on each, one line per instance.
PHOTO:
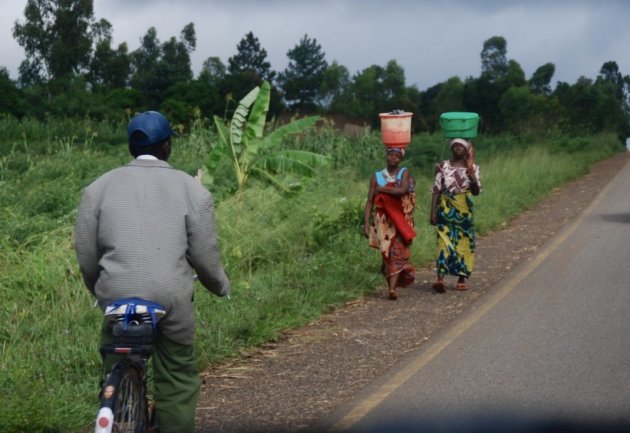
(290, 257)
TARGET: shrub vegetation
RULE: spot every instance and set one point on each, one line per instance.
(291, 257)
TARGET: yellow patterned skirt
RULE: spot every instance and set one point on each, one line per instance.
(455, 235)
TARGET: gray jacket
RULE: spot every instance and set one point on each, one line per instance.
(142, 230)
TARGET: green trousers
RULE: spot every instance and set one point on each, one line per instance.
(175, 380)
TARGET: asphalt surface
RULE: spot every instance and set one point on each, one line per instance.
(294, 383)
(548, 346)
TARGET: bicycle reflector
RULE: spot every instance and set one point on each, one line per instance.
(104, 420)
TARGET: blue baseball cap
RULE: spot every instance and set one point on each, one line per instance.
(154, 127)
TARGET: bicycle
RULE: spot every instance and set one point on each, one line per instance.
(124, 404)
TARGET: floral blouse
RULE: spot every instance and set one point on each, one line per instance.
(454, 179)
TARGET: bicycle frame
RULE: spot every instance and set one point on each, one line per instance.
(133, 323)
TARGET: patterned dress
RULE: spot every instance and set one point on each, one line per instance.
(455, 225)
(392, 229)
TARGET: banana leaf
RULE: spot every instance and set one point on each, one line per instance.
(294, 161)
(239, 119)
(217, 153)
(258, 113)
(275, 137)
(243, 140)
(266, 176)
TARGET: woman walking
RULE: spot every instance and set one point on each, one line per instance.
(452, 213)
(392, 229)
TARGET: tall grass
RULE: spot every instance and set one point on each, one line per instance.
(290, 257)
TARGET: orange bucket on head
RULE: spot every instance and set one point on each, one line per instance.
(396, 128)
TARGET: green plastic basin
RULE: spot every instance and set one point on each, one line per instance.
(456, 124)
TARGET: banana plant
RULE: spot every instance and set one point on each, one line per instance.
(252, 153)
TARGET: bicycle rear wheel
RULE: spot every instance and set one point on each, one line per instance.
(123, 407)
(130, 415)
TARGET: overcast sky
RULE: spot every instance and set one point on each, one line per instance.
(432, 40)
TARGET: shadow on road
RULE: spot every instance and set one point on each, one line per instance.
(617, 217)
(500, 425)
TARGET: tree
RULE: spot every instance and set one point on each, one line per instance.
(394, 85)
(590, 106)
(609, 113)
(174, 64)
(426, 106)
(251, 58)
(514, 76)
(449, 97)
(624, 127)
(482, 94)
(494, 63)
(12, 101)
(614, 85)
(109, 69)
(158, 66)
(374, 90)
(522, 109)
(56, 38)
(233, 88)
(367, 93)
(144, 65)
(540, 81)
(610, 72)
(304, 75)
(248, 69)
(212, 71)
(626, 92)
(419, 121)
(191, 99)
(335, 83)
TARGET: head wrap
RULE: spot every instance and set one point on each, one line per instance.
(396, 149)
(461, 141)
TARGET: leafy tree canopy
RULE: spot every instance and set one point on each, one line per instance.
(109, 69)
(377, 89)
(11, 100)
(494, 63)
(251, 58)
(540, 82)
(610, 72)
(304, 75)
(212, 71)
(56, 38)
(157, 66)
(335, 83)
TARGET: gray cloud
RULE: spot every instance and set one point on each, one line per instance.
(431, 40)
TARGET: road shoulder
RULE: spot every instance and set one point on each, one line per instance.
(293, 384)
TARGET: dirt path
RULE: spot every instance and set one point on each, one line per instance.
(294, 383)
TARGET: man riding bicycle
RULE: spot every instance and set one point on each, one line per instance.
(143, 230)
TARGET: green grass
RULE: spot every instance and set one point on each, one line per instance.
(290, 258)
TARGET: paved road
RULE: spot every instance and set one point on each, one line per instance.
(551, 343)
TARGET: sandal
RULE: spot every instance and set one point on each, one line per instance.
(439, 286)
(461, 286)
(393, 295)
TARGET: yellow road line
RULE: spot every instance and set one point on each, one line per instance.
(364, 407)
